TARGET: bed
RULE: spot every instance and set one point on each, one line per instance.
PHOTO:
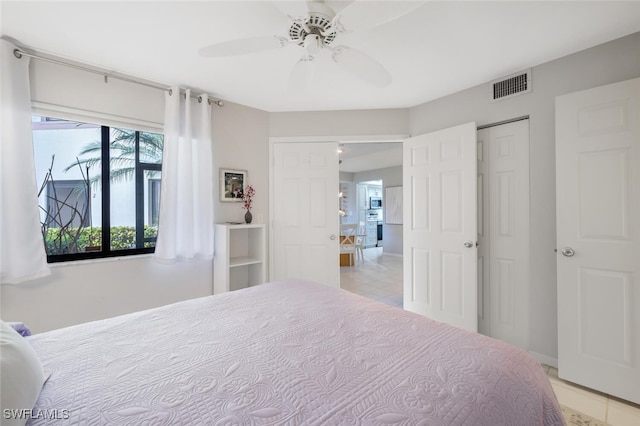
(286, 353)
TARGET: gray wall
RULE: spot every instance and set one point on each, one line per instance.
(339, 123)
(83, 291)
(608, 63)
(390, 176)
(346, 176)
(79, 292)
(241, 141)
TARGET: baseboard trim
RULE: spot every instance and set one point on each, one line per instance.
(391, 254)
(545, 359)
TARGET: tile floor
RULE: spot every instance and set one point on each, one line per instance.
(606, 409)
(379, 277)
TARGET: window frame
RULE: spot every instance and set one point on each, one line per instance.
(141, 168)
(105, 184)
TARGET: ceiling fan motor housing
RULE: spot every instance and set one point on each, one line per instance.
(317, 23)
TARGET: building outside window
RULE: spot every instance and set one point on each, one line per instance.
(153, 196)
(83, 215)
(67, 202)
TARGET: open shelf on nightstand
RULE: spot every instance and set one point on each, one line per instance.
(240, 256)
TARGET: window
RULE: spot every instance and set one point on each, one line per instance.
(82, 215)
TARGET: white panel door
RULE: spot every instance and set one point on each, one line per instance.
(440, 228)
(305, 212)
(503, 232)
(598, 238)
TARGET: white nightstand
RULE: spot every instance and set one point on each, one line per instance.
(239, 257)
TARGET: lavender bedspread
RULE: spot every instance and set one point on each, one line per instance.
(287, 353)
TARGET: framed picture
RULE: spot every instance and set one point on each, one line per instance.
(232, 184)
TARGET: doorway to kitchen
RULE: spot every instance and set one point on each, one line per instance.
(366, 171)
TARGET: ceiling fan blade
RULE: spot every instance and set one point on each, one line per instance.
(243, 46)
(362, 66)
(301, 74)
(361, 15)
(294, 9)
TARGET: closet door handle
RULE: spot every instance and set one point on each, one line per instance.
(468, 244)
(567, 251)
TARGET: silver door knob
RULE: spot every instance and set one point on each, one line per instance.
(468, 244)
(332, 236)
(567, 251)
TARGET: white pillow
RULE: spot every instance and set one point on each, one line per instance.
(21, 375)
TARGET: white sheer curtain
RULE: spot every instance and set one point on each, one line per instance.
(22, 252)
(186, 226)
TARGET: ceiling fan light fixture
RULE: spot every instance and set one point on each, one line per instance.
(318, 24)
(313, 43)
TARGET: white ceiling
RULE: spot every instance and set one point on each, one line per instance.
(438, 49)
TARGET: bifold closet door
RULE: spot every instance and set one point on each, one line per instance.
(503, 232)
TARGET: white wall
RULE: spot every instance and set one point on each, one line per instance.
(82, 291)
(608, 63)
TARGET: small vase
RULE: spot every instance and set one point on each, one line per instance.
(248, 217)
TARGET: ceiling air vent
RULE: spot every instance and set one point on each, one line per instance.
(511, 85)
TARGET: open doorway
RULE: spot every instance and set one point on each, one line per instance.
(366, 170)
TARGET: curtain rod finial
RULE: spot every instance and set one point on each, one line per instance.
(17, 53)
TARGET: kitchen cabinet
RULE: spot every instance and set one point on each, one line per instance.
(375, 191)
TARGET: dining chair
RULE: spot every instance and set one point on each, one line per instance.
(359, 241)
(348, 234)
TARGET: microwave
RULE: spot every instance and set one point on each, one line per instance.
(375, 203)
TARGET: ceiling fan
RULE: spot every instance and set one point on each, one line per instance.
(314, 26)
